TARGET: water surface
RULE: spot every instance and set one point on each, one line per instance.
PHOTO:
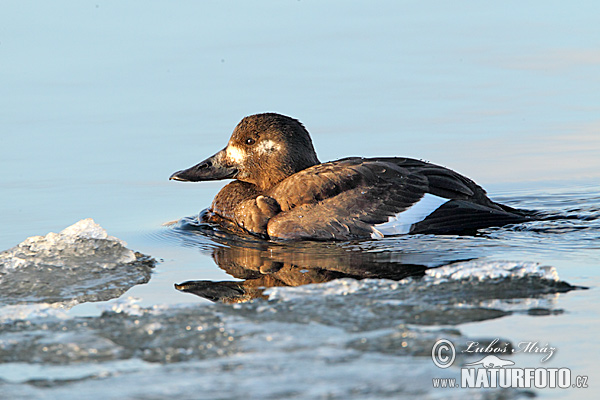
(103, 101)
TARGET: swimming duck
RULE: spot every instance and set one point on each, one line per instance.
(282, 191)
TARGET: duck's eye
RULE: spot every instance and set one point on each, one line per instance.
(250, 141)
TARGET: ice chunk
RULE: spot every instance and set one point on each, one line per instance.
(80, 244)
(81, 263)
(481, 270)
(30, 311)
(88, 229)
(453, 294)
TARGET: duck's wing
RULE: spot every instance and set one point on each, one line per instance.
(358, 198)
(444, 182)
(343, 199)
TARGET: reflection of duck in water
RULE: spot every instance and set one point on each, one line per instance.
(258, 264)
(261, 265)
(283, 191)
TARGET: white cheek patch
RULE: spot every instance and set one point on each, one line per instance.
(234, 154)
(267, 146)
(404, 220)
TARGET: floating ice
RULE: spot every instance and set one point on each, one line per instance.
(88, 229)
(18, 312)
(24, 372)
(338, 287)
(481, 270)
(472, 270)
(456, 293)
(81, 263)
(344, 324)
(81, 243)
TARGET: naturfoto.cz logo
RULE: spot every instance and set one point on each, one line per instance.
(493, 371)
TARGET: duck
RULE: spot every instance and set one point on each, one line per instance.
(281, 191)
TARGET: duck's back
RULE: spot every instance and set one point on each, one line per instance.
(371, 197)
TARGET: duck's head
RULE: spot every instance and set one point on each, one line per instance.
(263, 150)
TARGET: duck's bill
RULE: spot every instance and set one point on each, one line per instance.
(211, 169)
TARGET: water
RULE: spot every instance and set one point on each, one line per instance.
(103, 101)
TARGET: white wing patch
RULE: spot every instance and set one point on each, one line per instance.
(404, 220)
